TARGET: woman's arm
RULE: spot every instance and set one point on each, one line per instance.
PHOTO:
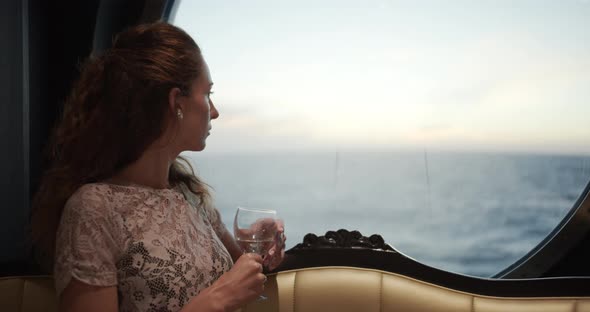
(240, 285)
(78, 296)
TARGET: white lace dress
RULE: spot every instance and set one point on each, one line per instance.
(160, 247)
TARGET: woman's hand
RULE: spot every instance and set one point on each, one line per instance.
(276, 253)
(240, 285)
(271, 228)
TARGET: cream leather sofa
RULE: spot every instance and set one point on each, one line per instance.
(27, 294)
(326, 289)
(343, 289)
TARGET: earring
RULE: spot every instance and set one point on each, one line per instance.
(179, 114)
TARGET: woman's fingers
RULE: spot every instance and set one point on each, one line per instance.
(266, 224)
(276, 253)
(245, 281)
(275, 261)
(280, 225)
(254, 256)
(261, 226)
(257, 263)
(253, 273)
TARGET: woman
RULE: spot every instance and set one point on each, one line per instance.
(129, 227)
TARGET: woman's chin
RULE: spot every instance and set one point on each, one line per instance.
(195, 146)
(199, 147)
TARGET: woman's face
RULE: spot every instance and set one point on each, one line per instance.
(198, 111)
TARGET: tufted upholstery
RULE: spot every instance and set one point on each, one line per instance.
(27, 294)
(326, 289)
(345, 289)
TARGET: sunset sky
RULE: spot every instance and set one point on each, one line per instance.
(458, 75)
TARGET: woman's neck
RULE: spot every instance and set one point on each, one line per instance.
(150, 170)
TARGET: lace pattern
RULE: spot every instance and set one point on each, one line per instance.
(160, 247)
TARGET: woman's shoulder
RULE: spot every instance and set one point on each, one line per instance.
(87, 192)
(103, 189)
(109, 193)
(91, 197)
(120, 197)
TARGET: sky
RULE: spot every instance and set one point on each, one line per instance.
(450, 75)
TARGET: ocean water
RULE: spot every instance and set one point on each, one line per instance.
(471, 213)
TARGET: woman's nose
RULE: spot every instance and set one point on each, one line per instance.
(214, 112)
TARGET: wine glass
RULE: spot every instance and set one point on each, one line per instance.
(255, 231)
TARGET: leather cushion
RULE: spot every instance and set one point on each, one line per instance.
(346, 289)
(27, 294)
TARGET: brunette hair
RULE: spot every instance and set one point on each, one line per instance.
(115, 110)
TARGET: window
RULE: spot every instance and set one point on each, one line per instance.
(458, 131)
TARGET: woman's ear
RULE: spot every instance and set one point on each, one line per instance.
(175, 100)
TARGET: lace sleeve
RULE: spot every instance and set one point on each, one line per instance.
(86, 248)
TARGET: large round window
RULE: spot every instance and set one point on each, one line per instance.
(456, 130)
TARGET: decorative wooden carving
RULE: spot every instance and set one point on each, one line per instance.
(352, 249)
(343, 239)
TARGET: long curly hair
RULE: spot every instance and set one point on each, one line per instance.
(115, 110)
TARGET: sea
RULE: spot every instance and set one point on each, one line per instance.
(464, 212)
